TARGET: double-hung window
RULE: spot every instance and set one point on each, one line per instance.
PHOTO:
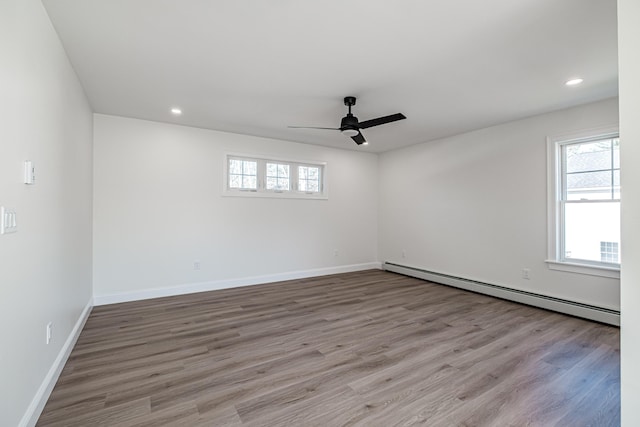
(585, 203)
(269, 177)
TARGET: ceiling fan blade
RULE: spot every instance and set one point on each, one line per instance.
(310, 127)
(381, 120)
(359, 139)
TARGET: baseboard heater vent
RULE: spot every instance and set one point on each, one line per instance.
(586, 311)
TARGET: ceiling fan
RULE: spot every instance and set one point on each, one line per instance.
(350, 126)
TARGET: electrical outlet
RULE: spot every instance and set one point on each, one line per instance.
(335, 252)
(49, 331)
(404, 253)
(526, 273)
(196, 264)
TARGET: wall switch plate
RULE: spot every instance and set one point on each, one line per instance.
(8, 223)
(49, 331)
(29, 173)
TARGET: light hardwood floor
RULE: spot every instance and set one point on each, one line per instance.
(368, 349)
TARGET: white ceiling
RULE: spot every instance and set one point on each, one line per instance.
(256, 66)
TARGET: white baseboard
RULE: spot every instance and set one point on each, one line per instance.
(190, 288)
(36, 406)
(573, 308)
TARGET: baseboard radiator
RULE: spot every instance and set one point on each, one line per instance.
(586, 311)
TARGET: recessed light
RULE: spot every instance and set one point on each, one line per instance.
(574, 82)
(176, 111)
(365, 143)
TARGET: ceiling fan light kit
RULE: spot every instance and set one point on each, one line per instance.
(350, 132)
(350, 126)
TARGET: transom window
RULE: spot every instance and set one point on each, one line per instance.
(243, 174)
(257, 176)
(309, 178)
(587, 201)
(278, 177)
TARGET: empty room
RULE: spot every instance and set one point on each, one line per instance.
(223, 213)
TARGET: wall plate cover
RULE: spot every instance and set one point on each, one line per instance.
(8, 223)
(29, 173)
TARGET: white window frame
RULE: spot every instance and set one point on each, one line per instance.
(554, 206)
(261, 190)
(244, 159)
(289, 178)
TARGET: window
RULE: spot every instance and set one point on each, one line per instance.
(309, 178)
(585, 200)
(278, 177)
(609, 251)
(243, 174)
(263, 177)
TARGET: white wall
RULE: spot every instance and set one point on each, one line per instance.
(45, 268)
(475, 206)
(629, 65)
(158, 206)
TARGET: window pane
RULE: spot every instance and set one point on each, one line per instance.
(283, 183)
(277, 170)
(309, 179)
(235, 166)
(234, 181)
(588, 156)
(587, 225)
(616, 153)
(283, 171)
(277, 176)
(243, 174)
(589, 185)
(616, 184)
(609, 252)
(249, 167)
(249, 182)
(303, 172)
(272, 183)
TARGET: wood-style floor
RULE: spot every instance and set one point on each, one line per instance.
(366, 349)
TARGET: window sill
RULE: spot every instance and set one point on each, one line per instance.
(274, 194)
(591, 270)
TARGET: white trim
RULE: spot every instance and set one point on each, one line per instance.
(599, 314)
(553, 190)
(30, 418)
(275, 194)
(190, 288)
(600, 132)
(245, 155)
(591, 270)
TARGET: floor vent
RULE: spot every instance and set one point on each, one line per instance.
(586, 311)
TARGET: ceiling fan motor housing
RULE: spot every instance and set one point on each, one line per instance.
(349, 122)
